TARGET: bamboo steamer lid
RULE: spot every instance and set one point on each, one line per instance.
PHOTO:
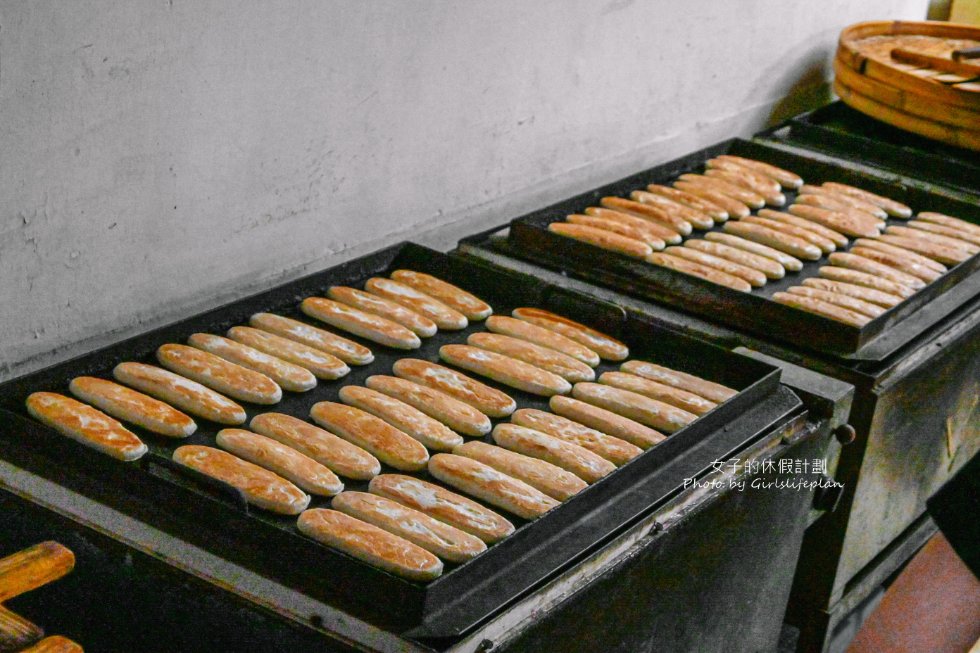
(904, 74)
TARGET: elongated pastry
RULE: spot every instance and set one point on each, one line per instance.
(695, 269)
(320, 363)
(218, 374)
(698, 219)
(506, 370)
(795, 247)
(789, 263)
(898, 262)
(732, 206)
(365, 301)
(131, 406)
(861, 264)
(423, 304)
(474, 308)
(439, 503)
(86, 425)
(838, 201)
(373, 434)
(903, 253)
(300, 469)
(338, 455)
(618, 227)
(949, 221)
(837, 238)
(938, 239)
(570, 369)
(288, 376)
(744, 179)
(485, 399)
(346, 350)
(785, 178)
(539, 335)
(834, 203)
(828, 310)
(767, 266)
(751, 275)
(944, 230)
(445, 541)
(459, 416)
(715, 211)
(644, 410)
(826, 245)
(607, 347)
(654, 229)
(868, 280)
(726, 187)
(486, 483)
(580, 461)
(682, 399)
(652, 213)
(942, 253)
(411, 421)
(710, 390)
(551, 479)
(615, 450)
(259, 487)
(893, 208)
(606, 421)
(366, 325)
(758, 181)
(371, 544)
(180, 392)
(846, 301)
(846, 223)
(602, 238)
(878, 297)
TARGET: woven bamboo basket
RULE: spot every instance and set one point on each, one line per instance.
(905, 74)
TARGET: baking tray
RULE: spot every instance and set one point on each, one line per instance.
(213, 516)
(839, 129)
(755, 311)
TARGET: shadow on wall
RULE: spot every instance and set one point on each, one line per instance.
(803, 84)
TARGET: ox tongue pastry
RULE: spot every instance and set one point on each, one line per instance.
(86, 425)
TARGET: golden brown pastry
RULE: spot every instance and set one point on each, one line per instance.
(487, 484)
(381, 439)
(131, 406)
(485, 399)
(456, 298)
(607, 347)
(445, 541)
(180, 392)
(367, 542)
(258, 486)
(289, 463)
(336, 454)
(432, 433)
(218, 374)
(439, 503)
(346, 350)
(85, 425)
(710, 390)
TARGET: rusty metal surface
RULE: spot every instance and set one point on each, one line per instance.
(924, 428)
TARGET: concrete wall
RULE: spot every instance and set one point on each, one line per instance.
(157, 157)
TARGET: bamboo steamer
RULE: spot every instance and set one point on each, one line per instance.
(903, 73)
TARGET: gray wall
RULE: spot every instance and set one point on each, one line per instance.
(158, 157)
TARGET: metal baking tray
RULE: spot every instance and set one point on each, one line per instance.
(754, 311)
(213, 516)
(839, 129)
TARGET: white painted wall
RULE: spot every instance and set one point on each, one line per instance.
(158, 157)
